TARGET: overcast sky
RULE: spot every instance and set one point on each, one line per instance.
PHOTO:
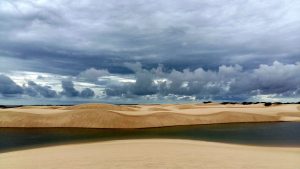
(149, 51)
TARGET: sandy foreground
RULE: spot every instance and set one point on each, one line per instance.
(143, 116)
(153, 153)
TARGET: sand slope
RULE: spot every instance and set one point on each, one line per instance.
(141, 116)
(153, 154)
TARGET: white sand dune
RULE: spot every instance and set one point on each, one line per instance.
(153, 154)
(142, 116)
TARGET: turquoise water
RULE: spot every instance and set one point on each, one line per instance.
(267, 134)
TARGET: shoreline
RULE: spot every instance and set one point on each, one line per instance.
(158, 127)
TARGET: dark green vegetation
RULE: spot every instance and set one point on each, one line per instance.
(249, 103)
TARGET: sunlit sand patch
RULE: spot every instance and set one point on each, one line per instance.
(153, 153)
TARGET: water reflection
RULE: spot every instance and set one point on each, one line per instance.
(271, 134)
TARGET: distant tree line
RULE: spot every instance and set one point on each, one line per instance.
(249, 103)
(14, 106)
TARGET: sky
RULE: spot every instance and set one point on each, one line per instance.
(149, 51)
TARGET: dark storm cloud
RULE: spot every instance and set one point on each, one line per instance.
(92, 74)
(87, 93)
(9, 87)
(35, 90)
(195, 41)
(75, 36)
(70, 91)
(227, 83)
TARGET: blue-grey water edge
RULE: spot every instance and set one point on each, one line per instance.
(265, 134)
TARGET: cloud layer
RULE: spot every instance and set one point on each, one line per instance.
(75, 36)
(275, 81)
(227, 83)
(147, 49)
(8, 88)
